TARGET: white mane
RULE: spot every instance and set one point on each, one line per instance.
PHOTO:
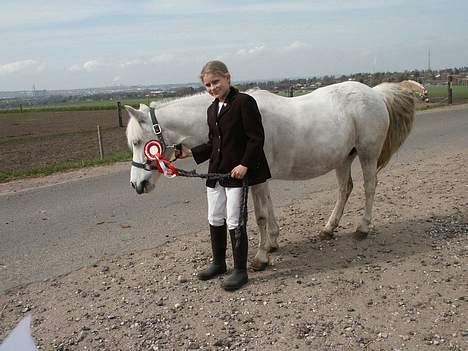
(168, 101)
(134, 131)
(190, 98)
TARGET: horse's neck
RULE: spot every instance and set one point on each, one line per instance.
(184, 120)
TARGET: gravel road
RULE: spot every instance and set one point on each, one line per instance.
(404, 288)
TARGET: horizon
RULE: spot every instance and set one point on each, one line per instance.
(68, 46)
(186, 84)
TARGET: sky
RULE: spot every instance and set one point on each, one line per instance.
(62, 44)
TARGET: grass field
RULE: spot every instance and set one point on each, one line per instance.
(81, 105)
(437, 93)
(459, 92)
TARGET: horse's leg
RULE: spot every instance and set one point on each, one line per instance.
(345, 186)
(369, 172)
(272, 225)
(268, 228)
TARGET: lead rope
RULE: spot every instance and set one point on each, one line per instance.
(156, 161)
(168, 170)
(243, 214)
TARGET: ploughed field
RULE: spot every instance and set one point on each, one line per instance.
(41, 139)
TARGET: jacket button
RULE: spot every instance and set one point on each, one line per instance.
(219, 149)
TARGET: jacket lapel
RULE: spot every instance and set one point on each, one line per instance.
(232, 93)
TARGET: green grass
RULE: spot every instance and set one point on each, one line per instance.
(63, 166)
(296, 92)
(441, 91)
(82, 105)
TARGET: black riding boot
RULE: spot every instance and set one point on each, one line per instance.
(218, 247)
(240, 246)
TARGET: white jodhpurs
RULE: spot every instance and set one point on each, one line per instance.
(224, 204)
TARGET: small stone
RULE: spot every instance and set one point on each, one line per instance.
(181, 279)
(81, 336)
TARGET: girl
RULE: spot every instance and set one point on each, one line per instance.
(235, 146)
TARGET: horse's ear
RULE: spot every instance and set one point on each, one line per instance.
(133, 112)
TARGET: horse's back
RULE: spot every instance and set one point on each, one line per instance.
(309, 135)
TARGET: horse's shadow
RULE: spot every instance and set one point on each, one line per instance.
(387, 244)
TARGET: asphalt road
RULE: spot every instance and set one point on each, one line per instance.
(52, 230)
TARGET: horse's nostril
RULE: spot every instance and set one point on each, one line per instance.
(133, 185)
(140, 187)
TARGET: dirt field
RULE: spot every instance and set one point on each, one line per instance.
(39, 139)
(403, 288)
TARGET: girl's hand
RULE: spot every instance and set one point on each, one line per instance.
(184, 152)
(239, 172)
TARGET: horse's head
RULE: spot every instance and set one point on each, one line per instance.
(140, 130)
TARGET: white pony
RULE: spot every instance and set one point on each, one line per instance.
(305, 137)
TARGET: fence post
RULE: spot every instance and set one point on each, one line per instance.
(21, 108)
(101, 149)
(119, 111)
(450, 90)
(449, 85)
(291, 91)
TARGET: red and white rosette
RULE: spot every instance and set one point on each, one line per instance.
(154, 152)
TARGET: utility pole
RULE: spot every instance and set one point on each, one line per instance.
(429, 60)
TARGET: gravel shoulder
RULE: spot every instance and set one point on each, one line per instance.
(403, 288)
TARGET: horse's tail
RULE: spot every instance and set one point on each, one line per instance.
(400, 104)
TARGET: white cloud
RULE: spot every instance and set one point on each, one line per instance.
(251, 51)
(18, 66)
(44, 13)
(148, 60)
(40, 67)
(88, 66)
(91, 66)
(295, 45)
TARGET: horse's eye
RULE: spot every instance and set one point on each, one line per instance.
(137, 143)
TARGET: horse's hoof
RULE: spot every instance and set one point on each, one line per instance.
(358, 235)
(326, 235)
(258, 266)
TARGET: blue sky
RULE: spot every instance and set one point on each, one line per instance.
(61, 44)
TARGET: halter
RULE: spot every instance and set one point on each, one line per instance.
(154, 152)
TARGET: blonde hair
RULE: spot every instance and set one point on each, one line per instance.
(215, 67)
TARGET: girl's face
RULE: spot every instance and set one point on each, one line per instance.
(217, 85)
